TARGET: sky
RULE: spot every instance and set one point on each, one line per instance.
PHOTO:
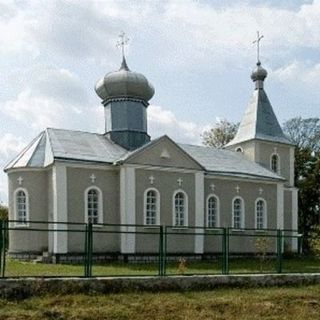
(197, 54)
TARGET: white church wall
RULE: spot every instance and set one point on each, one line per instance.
(228, 189)
(35, 183)
(283, 151)
(166, 182)
(79, 179)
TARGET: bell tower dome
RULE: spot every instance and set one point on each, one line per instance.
(125, 96)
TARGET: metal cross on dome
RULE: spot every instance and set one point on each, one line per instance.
(257, 41)
(122, 42)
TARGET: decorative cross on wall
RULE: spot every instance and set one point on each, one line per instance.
(151, 179)
(93, 178)
(20, 180)
(237, 189)
(260, 190)
(180, 182)
(212, 187)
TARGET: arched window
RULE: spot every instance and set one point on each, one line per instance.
(239, 149)
(151, 207)
(238, 213)
(21, 207)
(180, 209)
(212, 212)
(275, 166)
(261, 214)
(93, 202)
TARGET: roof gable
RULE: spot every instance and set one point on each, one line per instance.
(163, 152)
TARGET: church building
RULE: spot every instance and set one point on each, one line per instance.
(122, 177)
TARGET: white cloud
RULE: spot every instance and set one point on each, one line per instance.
(162, 121)
(188, 30)
(10, 144)
(298, 73)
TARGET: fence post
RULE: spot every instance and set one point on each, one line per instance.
(1, 245)
(160, 264)
(225, 251)
(86, 251)
(279, 251)
(90, 249)
(165, 251)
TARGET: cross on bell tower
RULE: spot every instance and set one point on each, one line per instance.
(257, 41)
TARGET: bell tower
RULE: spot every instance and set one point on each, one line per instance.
(260, 137)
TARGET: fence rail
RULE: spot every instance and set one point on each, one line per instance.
(166, 250)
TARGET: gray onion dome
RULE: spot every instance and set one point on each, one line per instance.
(124, 83)
(259, 73)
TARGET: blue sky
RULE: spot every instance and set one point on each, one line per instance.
(197, 54)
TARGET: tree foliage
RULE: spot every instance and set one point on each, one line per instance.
(222, 132)
(3, 212)
(305, 133)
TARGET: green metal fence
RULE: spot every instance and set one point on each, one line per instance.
(164, 250)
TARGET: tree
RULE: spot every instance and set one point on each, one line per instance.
(305, 134)
(3, 212)
(222, 132)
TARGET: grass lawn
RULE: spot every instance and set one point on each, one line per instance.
(17, 268)
(272, 303)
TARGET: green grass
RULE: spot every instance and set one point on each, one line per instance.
(16, 268)
(233, 304)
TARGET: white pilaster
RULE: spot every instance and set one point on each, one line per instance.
(294, 209)
(199, 211)
(60, 208)
(127, 208)
(280, 206)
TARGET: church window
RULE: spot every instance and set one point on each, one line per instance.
(275, 163)
(260, 214)
(180, 209)
(94, 205)
(212, 212)
(152, 207)
(21, 207)
(239, 149)
(238, 214)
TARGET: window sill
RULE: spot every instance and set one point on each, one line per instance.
(179, 228)
(151, 226)
(21, 225)
(261, 230)
(237, 230)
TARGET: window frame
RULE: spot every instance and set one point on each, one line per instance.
(157, 207)
(212, 195)
(265, 222)
(186, 209)
(278, 162)
(16, 218)
(100, 204)
(242, 217)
